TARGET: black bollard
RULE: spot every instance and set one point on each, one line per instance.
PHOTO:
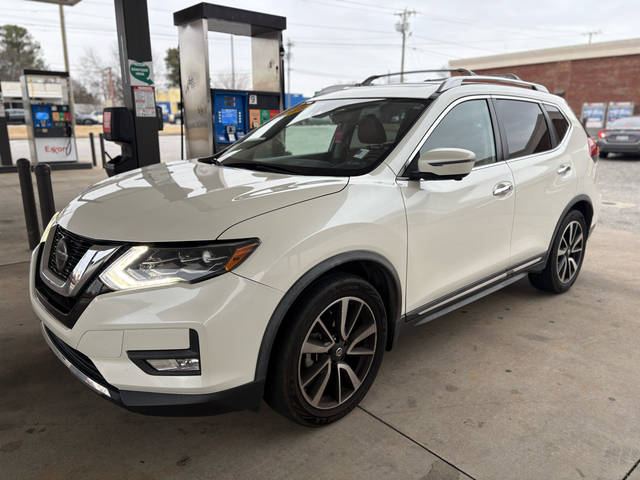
(28, 202)
(45, 193)
(93, 149)
(104, 160)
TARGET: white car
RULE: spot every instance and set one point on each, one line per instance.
(284, 267)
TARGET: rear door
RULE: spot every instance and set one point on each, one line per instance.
(535, 138)
(458, 231)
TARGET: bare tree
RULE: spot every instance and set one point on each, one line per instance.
(94, 71)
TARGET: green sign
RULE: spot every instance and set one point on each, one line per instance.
(140, 72)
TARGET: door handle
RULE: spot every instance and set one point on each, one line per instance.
(563, 169)
(502, 189)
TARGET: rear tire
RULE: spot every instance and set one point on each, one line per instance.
(565, 257)
(603, 154)
(329, 352)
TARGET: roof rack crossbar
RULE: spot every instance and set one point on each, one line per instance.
(370, 79)
(457, 81)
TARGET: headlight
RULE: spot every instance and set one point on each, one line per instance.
(144, 266)
(47, 229)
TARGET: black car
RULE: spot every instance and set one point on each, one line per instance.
(622, 136)
(15, 115)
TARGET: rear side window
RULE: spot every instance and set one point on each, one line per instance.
(559, 122)
(525, 127)
(468, 126)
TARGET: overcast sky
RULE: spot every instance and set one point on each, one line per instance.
(338, 41)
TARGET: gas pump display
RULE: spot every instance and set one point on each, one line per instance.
(51, 120)
(237, 113)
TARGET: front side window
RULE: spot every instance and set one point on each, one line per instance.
(327, 137)
(559, 122)
(525, 127)
(468, 126)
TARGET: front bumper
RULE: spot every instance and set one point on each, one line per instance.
(229, 314)
(244, 397)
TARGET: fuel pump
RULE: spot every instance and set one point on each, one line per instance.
(215, 118)
(236, 113)
(45, 96)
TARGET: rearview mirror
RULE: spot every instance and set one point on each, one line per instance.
(445, 164)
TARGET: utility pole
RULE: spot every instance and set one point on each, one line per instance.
(403, 27)
(288, 56)
(592, 33)
(66, 63)
(233, 65)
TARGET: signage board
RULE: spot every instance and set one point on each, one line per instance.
(145, 100)
(55, 149)
(140, 73)
(593, 114)
(619, 110)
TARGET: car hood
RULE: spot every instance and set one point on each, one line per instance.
(185, 200)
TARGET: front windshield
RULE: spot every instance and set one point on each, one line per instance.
(327, 137)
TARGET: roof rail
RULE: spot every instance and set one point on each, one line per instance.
(512, 76)
(370, 79)
(457, 81)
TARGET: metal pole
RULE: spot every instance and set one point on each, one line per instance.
(233, 65)
(5, 147)
(28, 202)
(288, 56)
(45, 192)
(93, 149)
(102, 154)
(66, 63)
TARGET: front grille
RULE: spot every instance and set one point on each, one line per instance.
(77, 246)
(78, 360)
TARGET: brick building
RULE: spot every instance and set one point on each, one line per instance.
(597, 72)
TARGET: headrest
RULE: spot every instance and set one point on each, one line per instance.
(371, 131)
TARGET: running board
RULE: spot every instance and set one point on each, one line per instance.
(441, 309)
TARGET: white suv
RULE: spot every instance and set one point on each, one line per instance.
(285, 266)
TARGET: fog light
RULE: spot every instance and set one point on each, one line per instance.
(175, 364)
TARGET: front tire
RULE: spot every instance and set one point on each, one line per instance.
(330, 351)
(565, 258)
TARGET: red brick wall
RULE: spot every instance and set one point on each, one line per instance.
(609, 79)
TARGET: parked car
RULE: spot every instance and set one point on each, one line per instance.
(96, 116)
(287, 264)
(622, 136)
(175, 118)
(15, 115)
(83, 119)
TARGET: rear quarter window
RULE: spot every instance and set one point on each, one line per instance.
(558, 121)
(525, 127)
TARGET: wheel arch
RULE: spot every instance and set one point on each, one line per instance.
(371, 266)
(583, 204)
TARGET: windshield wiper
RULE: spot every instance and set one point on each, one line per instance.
(211, 160)
(262, 167)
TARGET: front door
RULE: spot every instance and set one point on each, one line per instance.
(459, 231)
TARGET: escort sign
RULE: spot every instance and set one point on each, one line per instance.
(56, 149)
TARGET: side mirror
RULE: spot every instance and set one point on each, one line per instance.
(445, 164)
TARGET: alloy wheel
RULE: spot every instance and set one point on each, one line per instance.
(570, 251)
(337, 353)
